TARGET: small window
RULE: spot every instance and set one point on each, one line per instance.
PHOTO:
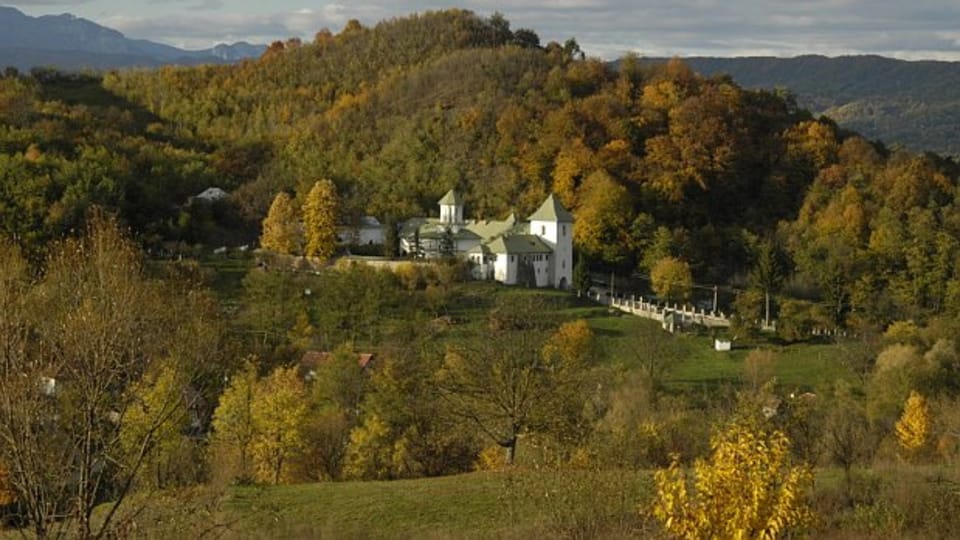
(543, 230)
(564, 230)
(513, 258)
(563, 265)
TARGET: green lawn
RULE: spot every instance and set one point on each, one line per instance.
(692, 362)
(520, 504)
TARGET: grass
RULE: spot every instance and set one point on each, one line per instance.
(517, 504)
(882, 502)
(692, 363)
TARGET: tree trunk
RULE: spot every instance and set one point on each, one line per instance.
(766, 318)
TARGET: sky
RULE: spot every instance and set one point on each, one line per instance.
(917, 29)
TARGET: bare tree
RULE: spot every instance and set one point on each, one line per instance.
(508, 382)
(74, 346)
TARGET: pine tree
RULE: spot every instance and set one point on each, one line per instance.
(320, 220)
(281, 228)
(581, 276)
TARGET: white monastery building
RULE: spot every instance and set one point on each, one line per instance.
(537, 252)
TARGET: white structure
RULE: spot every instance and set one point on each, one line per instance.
(369, 231)
(208, 196)
(538, 252)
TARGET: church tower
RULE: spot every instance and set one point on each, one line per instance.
(554, 225)
(451, 208)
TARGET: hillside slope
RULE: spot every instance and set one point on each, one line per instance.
(914, 104)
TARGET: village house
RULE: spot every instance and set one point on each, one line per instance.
(367, 231)
(537, 252)
(311, 361)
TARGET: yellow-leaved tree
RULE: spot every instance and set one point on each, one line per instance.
(159, 408)
(913, 428)
(279, 412)
(233, 429)
(282, 232)
(320, 220)
(749, 488)
(671, 279)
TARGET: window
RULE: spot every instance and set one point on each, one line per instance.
(513, 258)
(563, 265)
(543, 230)
(564, 230)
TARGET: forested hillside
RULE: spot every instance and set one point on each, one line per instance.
(654, 160)
(138, 388)
(913, 104)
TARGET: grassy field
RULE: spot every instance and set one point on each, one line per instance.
(901, 501)
(520, 504)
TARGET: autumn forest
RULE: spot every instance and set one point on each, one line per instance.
(172, 374)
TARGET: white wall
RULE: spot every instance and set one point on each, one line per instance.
(558, 236)
(505, 269)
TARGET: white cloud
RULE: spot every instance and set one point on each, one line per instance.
(605, 28)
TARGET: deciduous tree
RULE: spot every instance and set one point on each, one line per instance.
(749, 488)
(233, 427)
(913, 428)
(505, 386)
(278, 413)
(320, 220)
(73, 355)
(671, 279)
(282, 231)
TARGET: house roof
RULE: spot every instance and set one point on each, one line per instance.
(451, 198)
(311, 360)
(433, 228)
(482, 248)
(519, 243)
(212, 194)
(552, 210)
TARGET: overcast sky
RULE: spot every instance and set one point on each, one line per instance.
(606, 28)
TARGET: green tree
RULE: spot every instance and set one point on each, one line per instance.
(281, 228)
(320, 220)
(767, 274)
(581, 276)
(505, 385)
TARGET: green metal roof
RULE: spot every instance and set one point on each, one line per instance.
(552, 210)
(452, 198)
(519, 243)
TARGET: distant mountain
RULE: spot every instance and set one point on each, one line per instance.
(911, 103)
(71, 43)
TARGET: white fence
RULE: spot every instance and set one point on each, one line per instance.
(670, 317)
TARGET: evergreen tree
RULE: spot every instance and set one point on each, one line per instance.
(320, 220)
(581, 276)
